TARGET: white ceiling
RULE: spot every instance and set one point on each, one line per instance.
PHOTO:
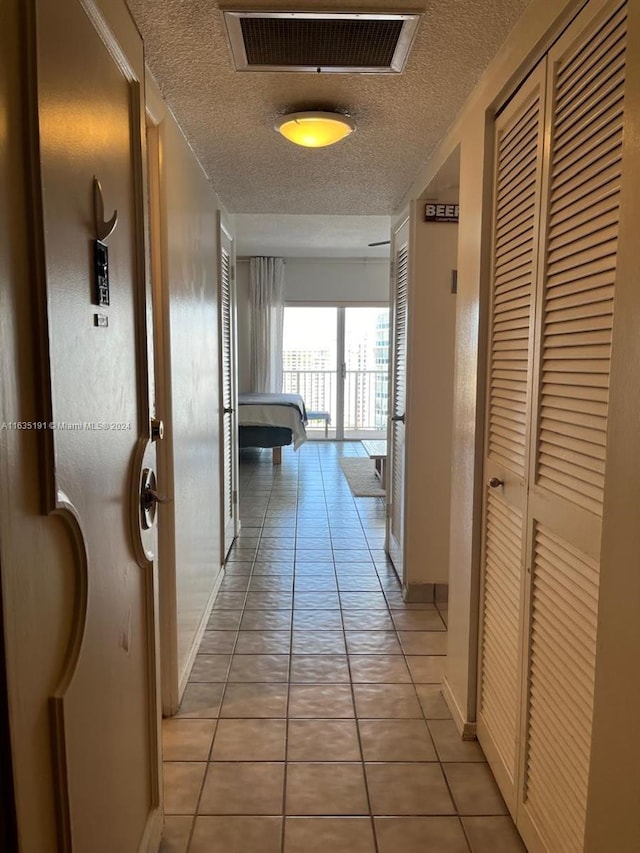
(228, 116)
(301, 236)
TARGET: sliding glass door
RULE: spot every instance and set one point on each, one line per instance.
(310, 365)
(366, 372)
(336, 358)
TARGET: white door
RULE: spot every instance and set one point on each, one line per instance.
(228, 409)
(517, 191)
(547, 437)
(104, 707)
(577, 276)
(398, 371)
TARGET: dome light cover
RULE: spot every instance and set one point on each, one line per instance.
(315, 129)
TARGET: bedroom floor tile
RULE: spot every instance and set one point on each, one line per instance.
(313, 721)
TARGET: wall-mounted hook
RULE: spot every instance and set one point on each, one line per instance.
(103, 229)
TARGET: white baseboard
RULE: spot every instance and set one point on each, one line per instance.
(467, 729)
(202, 627)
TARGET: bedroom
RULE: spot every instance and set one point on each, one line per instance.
(327, 263)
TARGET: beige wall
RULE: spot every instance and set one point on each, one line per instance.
(190, 559)
(337, 280)
(430, 360)
(329, 280)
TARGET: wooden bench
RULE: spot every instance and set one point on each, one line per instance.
(321, 416)
(377, 450)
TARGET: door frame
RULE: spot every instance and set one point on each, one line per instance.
(225, 235)
(158, 265)
(403, 223)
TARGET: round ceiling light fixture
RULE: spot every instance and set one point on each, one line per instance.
(315, 129)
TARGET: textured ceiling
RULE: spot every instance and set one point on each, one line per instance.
(228, 116)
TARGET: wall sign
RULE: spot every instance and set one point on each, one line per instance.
(434, 212)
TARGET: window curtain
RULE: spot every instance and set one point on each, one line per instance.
(266, 284)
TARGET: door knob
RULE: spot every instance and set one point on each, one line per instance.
(396, 418)
(495, 483)
(227, 410)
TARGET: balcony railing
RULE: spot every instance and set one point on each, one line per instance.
(365, 395)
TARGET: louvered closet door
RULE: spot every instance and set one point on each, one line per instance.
(517, 193)
(227, 382)
(585, 103)
(396, 442)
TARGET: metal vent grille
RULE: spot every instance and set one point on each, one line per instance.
(339, 42)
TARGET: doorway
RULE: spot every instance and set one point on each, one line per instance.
(336, 357)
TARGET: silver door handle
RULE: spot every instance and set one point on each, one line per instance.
(227, 410)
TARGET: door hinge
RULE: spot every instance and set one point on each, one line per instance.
(233, 273)
(235, 497)
(389, 509)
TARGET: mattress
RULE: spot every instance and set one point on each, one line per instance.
(272, 410)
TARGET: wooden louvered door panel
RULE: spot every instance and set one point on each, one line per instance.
(584, 119)
(396, 442)
(229, 430)
(517, 193)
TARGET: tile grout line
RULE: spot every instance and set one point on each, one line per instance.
(353, 699)
(222, 697)
(286, 710)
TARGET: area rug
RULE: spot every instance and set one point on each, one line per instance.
(360, 473)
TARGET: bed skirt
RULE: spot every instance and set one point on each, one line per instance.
(264, 436)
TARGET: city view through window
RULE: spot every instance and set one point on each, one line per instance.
(337, 359)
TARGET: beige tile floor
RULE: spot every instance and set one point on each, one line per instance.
(313, 721)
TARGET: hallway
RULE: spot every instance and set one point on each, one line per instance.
(315, 693)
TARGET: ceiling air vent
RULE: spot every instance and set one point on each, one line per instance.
(344, 42)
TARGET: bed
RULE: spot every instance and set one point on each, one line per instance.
(271, 420)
